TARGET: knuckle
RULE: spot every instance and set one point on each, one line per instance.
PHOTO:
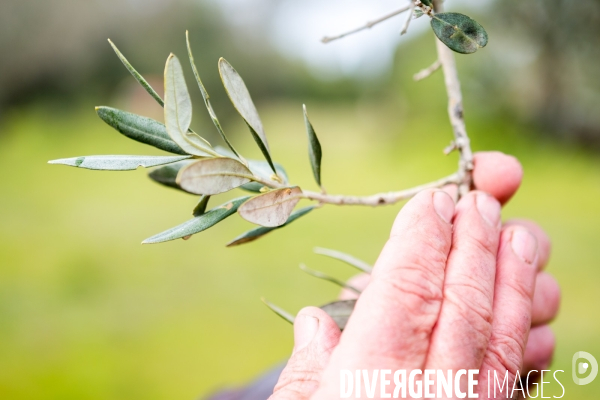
(415, 284)
(506, 351)
(480, 244)
(472, 305)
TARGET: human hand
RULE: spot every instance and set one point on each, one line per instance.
(452, 289)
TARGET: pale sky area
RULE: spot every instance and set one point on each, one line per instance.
(297, 26)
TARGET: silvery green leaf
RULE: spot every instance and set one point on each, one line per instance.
(117, 163)
(279, 311)
(137, 76)
(459, 32)
(201, 206)
(198, 224)
(418, 13)
(259, 232)
(271, 209)
(340, 311)
(142, 129)
(260, 169)
(314, 149)
(325, 277)
(213, 176)
(347, 258)
(240, 97)
(178, 112)
(167, 174)
(206, 98)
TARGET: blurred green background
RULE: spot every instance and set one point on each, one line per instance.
(86, 312)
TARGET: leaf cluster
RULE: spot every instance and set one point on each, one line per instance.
(200, 168)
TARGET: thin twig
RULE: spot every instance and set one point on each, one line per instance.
(380, 199)
(368, 25)
(427, 72)
(411, 11)
(463, 177)
(455, 112)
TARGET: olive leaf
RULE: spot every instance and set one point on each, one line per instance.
(279, 311)
(117, 163)
(260, 169)
(141, 129)
(206, 98)
(271, 209)
(137, 76)
(418, 13)
(199, 223)
(167, 174)
(314, 148)
(259, 232)
(242, 101)
(178, 112)
(427, 3)
(459, 32)
(213, 176)
(325, 277)
(347, 258)
(201, 206)
(340, 311)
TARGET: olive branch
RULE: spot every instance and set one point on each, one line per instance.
(202, 169)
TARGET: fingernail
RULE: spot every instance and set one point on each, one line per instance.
(489, 208)
(444, 205)
(305, 329)
(524, 245)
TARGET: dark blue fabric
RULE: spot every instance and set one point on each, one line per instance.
(260, 389)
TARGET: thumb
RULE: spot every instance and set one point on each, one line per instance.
(315, 337)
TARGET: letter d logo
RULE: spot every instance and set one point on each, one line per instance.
(581, 367)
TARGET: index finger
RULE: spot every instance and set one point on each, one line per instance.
(396, 313)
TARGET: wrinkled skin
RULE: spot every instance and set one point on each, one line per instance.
(453, 288)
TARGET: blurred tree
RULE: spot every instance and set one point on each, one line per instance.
(58, 49)
(553, 80)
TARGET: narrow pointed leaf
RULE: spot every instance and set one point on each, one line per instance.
(260, 169)
(178, 112)
(240, 97)
(167, 174)
(347, 258)
(137, 76)
(201, 206)
(459, 32)
(117, 163)
(206, 98)
(198, 224)
(279, 311)
(427, 3)
(213, 176)
(271, 209)
(325, 277)
(418, 13)
(314, 149)
(340, 311)
(141, 129)
(261, 231)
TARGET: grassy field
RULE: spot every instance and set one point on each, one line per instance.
(87, 313)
